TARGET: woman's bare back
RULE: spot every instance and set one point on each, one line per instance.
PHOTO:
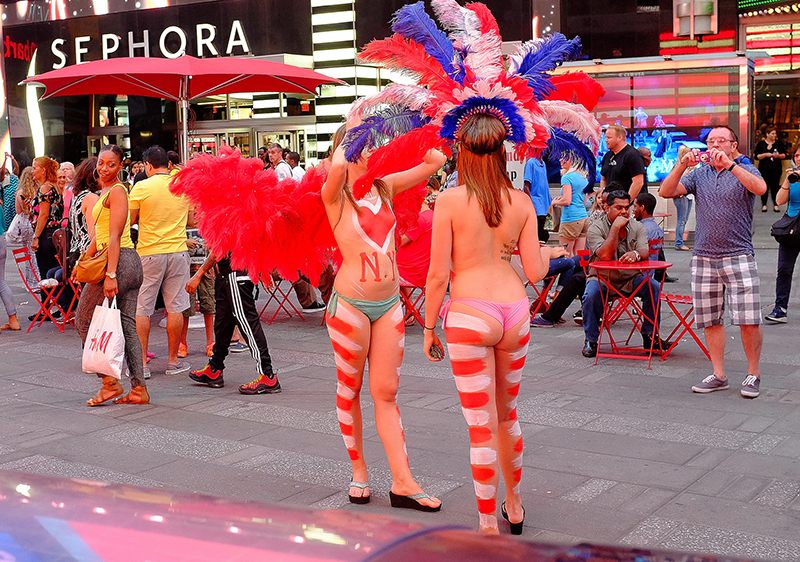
(481, 255)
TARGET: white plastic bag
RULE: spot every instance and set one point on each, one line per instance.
(104, 350)
(20, 231)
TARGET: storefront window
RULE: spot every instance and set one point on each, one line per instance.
(664, 110)
(111, 111)
(250, 106)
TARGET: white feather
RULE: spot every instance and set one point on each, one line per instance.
(411, 97)
(573, 118)
(449, 14)
(485, 56)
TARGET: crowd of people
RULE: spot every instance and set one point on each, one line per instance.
(489, 235)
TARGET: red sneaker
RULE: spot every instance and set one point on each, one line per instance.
(208, 376)
(261, 385)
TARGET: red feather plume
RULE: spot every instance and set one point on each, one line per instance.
(398, 53)
(265, 224)
(577, 87)
(488, 21)
(400, 154)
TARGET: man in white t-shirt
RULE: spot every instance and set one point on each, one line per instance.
(275, 154)
(293, 159)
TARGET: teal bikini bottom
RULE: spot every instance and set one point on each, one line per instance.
(371, 309)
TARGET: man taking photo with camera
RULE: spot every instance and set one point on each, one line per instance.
(724, 260)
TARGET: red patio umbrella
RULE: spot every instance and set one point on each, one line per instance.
(180, 79)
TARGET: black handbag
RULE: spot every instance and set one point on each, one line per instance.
(786, 230)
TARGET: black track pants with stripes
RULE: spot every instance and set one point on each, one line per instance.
(234, 294)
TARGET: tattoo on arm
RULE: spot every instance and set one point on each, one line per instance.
(508, 249)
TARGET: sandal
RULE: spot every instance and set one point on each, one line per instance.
(10, 328)
(362, 499)
(516, 528)
(111, 389)
(412, 502)
(137, 395)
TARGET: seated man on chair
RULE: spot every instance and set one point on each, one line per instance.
(617, 238)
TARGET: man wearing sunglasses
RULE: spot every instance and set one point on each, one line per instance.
(616, 237)
(724, 259)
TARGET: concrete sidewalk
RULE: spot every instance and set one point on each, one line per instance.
(615, 453)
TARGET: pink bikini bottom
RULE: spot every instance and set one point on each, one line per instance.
(506, 314)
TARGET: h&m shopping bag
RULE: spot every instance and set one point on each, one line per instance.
(104, 350)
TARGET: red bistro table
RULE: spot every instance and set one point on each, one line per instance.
(625, 303)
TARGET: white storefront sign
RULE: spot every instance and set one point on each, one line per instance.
(172, 43)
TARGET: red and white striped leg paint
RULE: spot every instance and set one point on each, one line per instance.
(346, 331)
(473, 369)
(510, 357)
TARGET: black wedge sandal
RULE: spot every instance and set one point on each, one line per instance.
(362, 499)
(516, 528)
(412, 502)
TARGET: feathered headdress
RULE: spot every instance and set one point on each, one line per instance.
(460, 71)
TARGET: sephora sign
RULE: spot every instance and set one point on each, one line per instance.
(208, 29)
(171, 42)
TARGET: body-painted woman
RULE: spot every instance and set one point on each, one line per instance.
(476, 227)
(365, 319)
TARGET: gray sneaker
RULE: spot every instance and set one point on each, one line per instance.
(540, 322)
(710, 384)
(750, 386)
(180, 369)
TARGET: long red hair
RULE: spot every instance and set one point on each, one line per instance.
(482, 165)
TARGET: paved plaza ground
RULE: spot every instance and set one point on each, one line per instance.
(615, 453)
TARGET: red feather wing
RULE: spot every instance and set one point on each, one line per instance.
(265, 224)
(488, 21)
(400, 154)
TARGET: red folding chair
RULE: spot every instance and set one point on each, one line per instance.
(46, 296)
(281, 297)
(60, 243)
(540, 303)
(413, 303)
(685, 322)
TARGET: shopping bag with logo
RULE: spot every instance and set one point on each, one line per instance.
(104, 350)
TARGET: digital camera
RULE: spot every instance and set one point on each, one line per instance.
(794, 175)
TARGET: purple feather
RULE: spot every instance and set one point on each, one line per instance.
(536, 58)
(562, 143)
(380, 128)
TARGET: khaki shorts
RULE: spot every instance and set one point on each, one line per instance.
(573, 230)
(204, 295)
(168, 273)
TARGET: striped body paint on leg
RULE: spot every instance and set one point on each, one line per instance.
(473, 368)
(510, 358)
(349, 356)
